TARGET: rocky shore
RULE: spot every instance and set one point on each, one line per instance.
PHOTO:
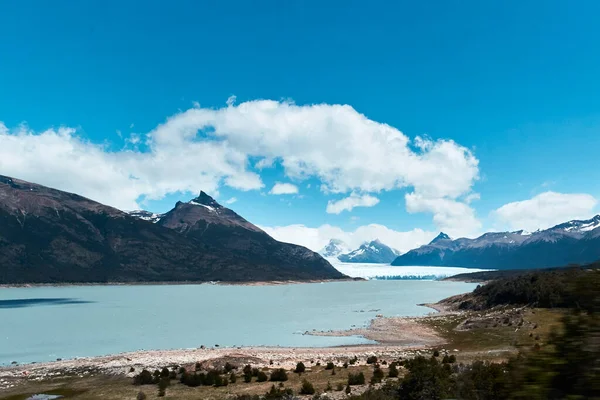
(395, 337)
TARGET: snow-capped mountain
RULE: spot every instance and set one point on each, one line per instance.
(573, 242)
(145, 215)
(334, 248)
(371, 252)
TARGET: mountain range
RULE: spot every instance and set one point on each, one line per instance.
(573, 242)
(369, 252)
(51, 236)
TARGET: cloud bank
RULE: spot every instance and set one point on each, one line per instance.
(316, 238)
(207, 148)
(546, 210)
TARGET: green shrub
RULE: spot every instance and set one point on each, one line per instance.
(307, 388)
(143, 378)
(371, 359)
(278, 393)
(232, 377)
(300, 368)
(436, 353)
(356, 379)
(393, 371)
(339, 387)
(163, 384)
(247, 378)
(377, 375)
(279, 375)
(261, 377)
(141, 396)
(330, 365)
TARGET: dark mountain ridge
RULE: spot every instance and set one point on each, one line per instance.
(573, 242)
(51, 236)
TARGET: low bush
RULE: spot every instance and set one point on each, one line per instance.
(307, 388)
(143, 378)
(356, 379)
(300, 368)
(279, 375)
(261, 377)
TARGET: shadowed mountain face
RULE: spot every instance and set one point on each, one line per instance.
(206, 221)
(51, 236)
(573, 242)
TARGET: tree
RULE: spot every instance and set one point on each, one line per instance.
(330, 365)
(307, 388)
(300, 368)
(232, 377)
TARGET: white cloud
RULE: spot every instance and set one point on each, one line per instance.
(348, 203)
(284, 188)
(204, 148)
(231, 200)
(546, 210)
(316, 238)
(450, 216)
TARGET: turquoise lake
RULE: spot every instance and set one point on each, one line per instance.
(46, 323)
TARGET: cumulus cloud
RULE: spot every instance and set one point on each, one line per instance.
(453, 217)
(546, 210)
(316, 238)
(284, 188)
(204, 148)
(348, 203)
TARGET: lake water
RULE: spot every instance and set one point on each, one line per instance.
(46, 323)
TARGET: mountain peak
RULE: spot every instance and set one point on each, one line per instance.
(334, 248)
(579, 226)
(204, 199)
(370, 252)
(441, 236)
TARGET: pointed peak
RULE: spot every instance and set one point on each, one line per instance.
(441, 236)
(204, 199)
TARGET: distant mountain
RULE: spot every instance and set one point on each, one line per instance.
(145, 215)
(50, 236)
(571, 242)
(372, 252)
(334, 248)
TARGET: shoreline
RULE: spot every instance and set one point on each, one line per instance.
(162, 283)
(394, 336)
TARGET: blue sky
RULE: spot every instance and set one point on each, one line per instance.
(514, 83)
